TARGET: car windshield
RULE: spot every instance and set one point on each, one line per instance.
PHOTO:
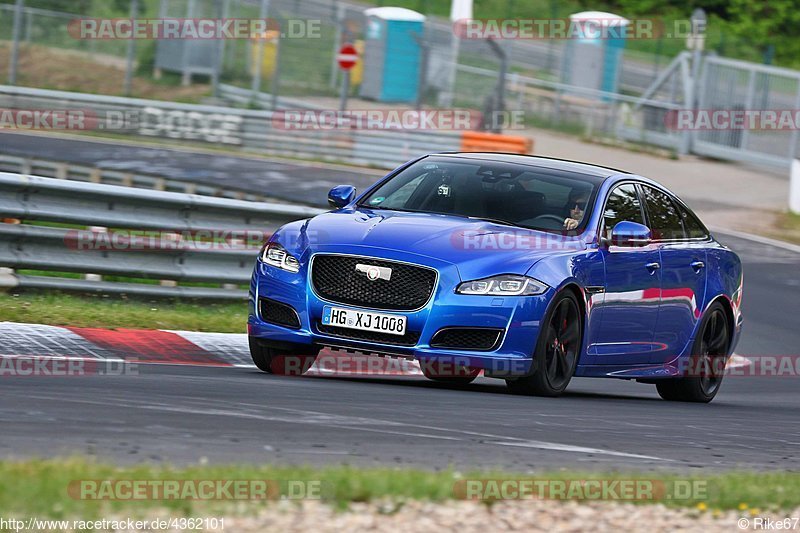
(521, 195)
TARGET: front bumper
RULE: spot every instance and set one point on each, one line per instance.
(518, 317)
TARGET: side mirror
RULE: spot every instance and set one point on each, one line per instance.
(341, 195)
(630, 235)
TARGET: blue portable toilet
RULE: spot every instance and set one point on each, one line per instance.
(594, 59)
(392, 54)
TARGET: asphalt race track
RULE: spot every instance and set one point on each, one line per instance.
(300, 182)
(184, 414)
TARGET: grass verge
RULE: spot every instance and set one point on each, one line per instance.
(41, 487)
(116, 312)
(788, 228)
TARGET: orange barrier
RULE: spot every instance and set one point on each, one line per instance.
(479, 141)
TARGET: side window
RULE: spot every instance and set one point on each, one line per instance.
(398, 198)
(692, 226)
(665, 219)
(622, 205)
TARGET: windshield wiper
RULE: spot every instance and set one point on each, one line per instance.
(379, 208)
(485, 219)
(497, 221)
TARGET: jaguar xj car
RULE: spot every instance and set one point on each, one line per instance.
(528, 269)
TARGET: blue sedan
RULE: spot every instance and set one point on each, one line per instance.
(530, 269)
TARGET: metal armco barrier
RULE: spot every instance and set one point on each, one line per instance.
(253, 130)
(70, 171)
(58, 249)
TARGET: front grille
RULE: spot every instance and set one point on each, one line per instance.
(279, 313)
(479, 339)
(410, 338)
(336, 279)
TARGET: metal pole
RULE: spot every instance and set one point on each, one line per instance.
(186, 75)
(28, 26)
(345, 90)
(12, 68)
(131, 52)
(275, 87)
(551, 42)
(219, 58)
(448, 96)
(422, 79)
(500, 99)
(337, 43)
(698, 35)
(256, 85)
(696, 54)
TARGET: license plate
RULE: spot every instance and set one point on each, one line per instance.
(364, 320)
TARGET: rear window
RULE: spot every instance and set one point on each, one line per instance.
(692, 226)
(666, 221)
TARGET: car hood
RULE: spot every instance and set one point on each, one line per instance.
(477, 248)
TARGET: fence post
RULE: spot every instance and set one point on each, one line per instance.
(14, 63)
(794, 188)
(7, 278)
(256, 84)
(28, 26)
(275, 83)
(131, 52)
(337, 43)
(88, 276)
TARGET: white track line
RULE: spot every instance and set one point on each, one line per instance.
(756, 238)
(542, 445)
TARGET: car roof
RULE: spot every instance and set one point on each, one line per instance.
(539, 161)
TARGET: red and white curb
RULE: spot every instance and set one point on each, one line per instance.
(184, 348)
(171, 347)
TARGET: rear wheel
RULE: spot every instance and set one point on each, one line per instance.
(280, 362)
(707, 363)
(557, 351)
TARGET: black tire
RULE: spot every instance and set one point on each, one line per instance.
(280, 362)
(461, 375)
(707, 362)
(557, 350)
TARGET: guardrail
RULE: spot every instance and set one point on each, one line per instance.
(31, 202)
(241, 96)
(71, 171)
(248, 129)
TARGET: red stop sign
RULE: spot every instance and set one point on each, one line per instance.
(347, 56)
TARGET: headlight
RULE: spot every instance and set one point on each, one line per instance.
(275, 255)
(504, 285)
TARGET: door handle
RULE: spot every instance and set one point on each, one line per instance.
(652, 267)
(697, 266)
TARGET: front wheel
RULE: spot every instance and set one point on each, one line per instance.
(557, 351)
(706, 364)
(280, 362)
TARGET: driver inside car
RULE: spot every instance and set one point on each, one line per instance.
(576, 207)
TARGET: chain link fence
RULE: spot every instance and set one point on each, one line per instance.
(49, 28)
(303, 64)
(296, 67)
(771, 95)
